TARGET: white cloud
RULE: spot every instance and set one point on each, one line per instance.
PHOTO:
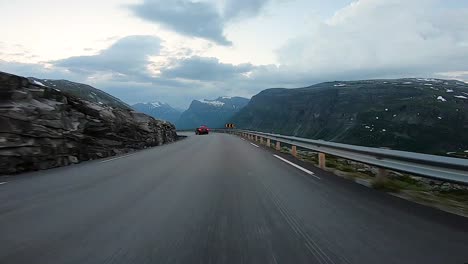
(382, 38)
(128, 58)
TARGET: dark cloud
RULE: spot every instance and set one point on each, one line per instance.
(243, 8)
(196, 19)
(128, 58)
(205, 69)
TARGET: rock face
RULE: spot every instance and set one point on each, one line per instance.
(212, 113)
(43, 127)
(420, 115)
(82, 91)
(158, 110)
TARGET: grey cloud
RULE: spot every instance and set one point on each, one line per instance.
(243, 8)
(197, 19)
(128, 58)
(38, 70)
(205, 69)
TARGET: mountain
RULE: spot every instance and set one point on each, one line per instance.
(212, 113)
(82, 91)
(46, 124)
(421, 115)
(158, 110)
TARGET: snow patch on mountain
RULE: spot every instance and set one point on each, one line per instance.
(156, 104)
(213, 103)
(39, 83)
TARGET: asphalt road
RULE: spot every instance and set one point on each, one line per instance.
(214, 199)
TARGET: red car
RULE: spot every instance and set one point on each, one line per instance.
(203, 130)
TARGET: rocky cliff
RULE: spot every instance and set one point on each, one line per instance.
(421, 115)
(43, 127)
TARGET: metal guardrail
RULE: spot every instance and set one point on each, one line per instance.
(431, 166)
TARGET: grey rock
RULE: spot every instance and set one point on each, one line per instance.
(43, 127)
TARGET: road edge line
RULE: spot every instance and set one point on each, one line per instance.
(297, 166)
(121, 157)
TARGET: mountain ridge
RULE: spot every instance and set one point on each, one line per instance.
(414, 114)
(213, 113)
(158, 110)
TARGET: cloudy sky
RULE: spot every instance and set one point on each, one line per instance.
(179, 50)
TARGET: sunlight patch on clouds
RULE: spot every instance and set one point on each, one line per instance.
(379, 38)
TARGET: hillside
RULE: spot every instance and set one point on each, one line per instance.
(213, 113)
(422, 115)
(83, 91)
(47, 124)
(158, 110)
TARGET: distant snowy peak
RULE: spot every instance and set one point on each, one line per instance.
(39, 83)
(157, 104)
(215, 103)
(214, 113)
(158, 110)
(225, 101)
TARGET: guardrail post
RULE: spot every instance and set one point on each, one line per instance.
(278, 146)
(322, 160)
(294, 151)
(381, 174)
(261, 140)
(268, 142)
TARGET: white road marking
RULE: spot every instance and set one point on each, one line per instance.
(297, 166)
(1, 183)
(118, 158)
(254, 145)
(243, 139)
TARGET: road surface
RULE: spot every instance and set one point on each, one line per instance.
(215, 199)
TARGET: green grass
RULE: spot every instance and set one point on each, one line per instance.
(398, 184)
(457, 195)
(347, 169)
(285, 150)
(308, 158)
